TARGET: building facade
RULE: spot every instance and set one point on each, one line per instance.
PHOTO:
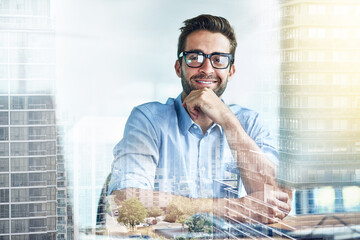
(319, 97)
(28, 131)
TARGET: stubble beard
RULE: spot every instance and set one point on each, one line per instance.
(187, 88)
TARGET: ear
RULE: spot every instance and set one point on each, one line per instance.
(178, 68)
(231, 71)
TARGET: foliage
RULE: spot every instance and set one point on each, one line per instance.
(200, 223)
(182, 218)
(180, 238)
(173, 213)
(155, 212)
(131, 213)
(180, 208)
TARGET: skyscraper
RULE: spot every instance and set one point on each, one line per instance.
(27, 121)
(64, 223)
(319, 96)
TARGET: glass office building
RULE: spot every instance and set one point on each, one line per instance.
(319, 100)
(28, 131)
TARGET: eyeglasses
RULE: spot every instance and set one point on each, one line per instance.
(194, 59)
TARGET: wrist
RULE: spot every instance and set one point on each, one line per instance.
(230, 121)
(233, 128)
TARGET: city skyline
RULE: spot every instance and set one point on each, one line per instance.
(66, 91)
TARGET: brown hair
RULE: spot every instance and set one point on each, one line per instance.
(209, 23)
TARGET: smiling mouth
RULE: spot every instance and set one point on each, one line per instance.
(205, 82)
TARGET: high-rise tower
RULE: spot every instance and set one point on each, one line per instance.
(319, 96)
(27, 121)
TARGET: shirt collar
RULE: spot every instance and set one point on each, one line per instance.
(185, 122)
(216, 125)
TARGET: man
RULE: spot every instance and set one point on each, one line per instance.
(184, 146)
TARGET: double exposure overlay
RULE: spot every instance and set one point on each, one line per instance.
(73, 72)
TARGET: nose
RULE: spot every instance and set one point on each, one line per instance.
(207, 67)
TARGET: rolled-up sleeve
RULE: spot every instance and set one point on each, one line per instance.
(136, 155)
(264, 139)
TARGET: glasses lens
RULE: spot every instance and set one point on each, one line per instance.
(220, 61)
(194, 59)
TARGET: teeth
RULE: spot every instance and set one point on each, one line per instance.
(204, 82)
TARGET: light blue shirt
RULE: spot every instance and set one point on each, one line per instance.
(163, 149)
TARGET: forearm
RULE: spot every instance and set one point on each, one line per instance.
(162, 199)
(173, 205)
(255, 168)
(251, 208)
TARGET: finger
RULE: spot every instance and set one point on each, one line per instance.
(267, 215)
(282, 196)
(192, 110)
(278, 213)
(280, 209)
(283, 201)
(273, 220)
(194, 113)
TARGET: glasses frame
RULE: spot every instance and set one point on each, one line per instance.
(229, 55)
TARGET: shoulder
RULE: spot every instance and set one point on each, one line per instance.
(243, 113)
(156, 111)
(252, 121)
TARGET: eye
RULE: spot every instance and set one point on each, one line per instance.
(194, 57)
(219, 59)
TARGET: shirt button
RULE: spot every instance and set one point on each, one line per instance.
(195, 127)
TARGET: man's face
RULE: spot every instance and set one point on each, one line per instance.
(205, 76)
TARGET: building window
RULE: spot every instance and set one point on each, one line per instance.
(316, 9)
(4, 118)
(4, 134)
(4, 226)
(17, 102)
(4, 211)
(4, 195)
(340, 33)
(20, 226)
(324, 199)
(4, 180)
(4, 149)
(351, 196)
(340, 102)
(340, 124)
(339, 147)
(3, 102)
(317, 33)
(341, 56)
(316, 56)
(340, 10)
(357, 146)
(340, 79)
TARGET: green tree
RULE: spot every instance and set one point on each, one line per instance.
(172, 213)
(200, 223)
(180, 208)
(131, 212)
(155, 212)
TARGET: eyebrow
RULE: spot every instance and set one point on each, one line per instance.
(198, 50)
(194, 50)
